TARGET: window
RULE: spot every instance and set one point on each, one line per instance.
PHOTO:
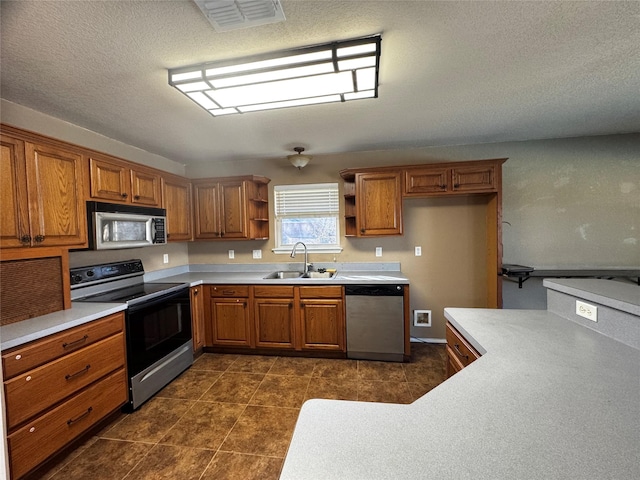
(309, 214)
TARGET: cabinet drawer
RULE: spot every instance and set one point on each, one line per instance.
(321, 292)
(37, 440)
(458, 348)
(270, 291)
(34, 354)
(36, 390)
(229, 290)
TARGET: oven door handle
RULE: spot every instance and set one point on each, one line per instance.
(182, 292)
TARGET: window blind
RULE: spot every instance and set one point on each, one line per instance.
(312, 199)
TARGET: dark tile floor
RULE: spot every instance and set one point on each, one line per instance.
(232, 416)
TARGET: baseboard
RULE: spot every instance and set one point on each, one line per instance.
(428, 340)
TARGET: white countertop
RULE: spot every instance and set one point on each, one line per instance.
(25, 331)
(548, 399)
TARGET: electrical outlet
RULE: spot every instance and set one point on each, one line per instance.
(418, 251)
(257, 254)
(587, 311)
(165, 258)
(378, 251)
(232, 254)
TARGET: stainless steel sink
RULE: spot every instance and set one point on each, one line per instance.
(319, 275)
(282, 275)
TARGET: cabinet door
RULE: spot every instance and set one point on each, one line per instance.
(322, 325)
(231, 325)
(379, 204)
(145, 188)
(206, 205)
(274, 322)
(176, 200)
(109, 181)
(56, 194)
(197, 317)
(14, 214)
(424, 181)
(233, 208)
(473, 179)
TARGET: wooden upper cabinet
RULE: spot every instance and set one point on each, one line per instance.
(378, 204)
(42, 195)
(117, 181)
(14, 214)
(436, 180)
(421, 181)
(176, 200)
(231, 208)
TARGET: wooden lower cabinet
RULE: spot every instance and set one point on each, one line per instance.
(58, 387)
(197, 317)
(276, 317)
(459, 352)
(322, 324)
(229, 324)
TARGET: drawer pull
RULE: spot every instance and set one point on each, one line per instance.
(28, 378)
(32, 429)
(73, 375)
(18, 357)
(75, 342)
(460, 354)
(74, 420)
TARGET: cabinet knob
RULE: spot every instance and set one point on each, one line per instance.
(28, 378)
(32, 429)
(136, 197)
(25, 239)
(39, 238)
(456, 185)
(18, 357)
(124, 195)
(362, 230)
(195, 292)
(443, 187)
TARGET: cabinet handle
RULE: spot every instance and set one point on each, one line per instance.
(77, 419)
(443, 187)
(136, 197)
(124, 195)
(457, 349)
(39, 238)
(75, 342)
(73, 375)
(362, 230)
(25, 239)
(456, 185)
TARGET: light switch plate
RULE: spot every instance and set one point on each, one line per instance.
(232, 254)
(165, 258)
(587, 311)
(257, 254)
(418, 251)
(378, 251)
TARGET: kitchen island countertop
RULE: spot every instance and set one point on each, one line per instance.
(549, 399)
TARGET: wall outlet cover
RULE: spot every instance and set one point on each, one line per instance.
(422, 318)
(257, 254)
(587, 311)
(232, 254)
(378, 251)
(165, 258)
(418, 251)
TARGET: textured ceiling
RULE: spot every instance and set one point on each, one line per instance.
(451, 73)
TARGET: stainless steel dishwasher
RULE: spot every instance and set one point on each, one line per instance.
(375, 322)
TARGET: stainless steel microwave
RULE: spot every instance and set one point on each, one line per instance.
(112, 226)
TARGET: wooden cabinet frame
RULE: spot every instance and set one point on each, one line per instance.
(478, 177)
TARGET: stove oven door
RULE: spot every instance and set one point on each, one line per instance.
(159, 345)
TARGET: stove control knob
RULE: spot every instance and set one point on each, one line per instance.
(76, 278)
(90, 273)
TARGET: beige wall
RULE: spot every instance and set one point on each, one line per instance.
(569, 203)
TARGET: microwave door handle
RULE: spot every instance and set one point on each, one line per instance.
(153, 230)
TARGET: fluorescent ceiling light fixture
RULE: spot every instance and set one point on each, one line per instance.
(225, 15)
(332, 72)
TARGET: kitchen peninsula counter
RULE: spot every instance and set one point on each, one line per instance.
(548, 399)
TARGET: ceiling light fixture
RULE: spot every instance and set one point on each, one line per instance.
(332, 72)
(299, 160)
(225, 15)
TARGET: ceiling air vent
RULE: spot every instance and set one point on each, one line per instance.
(227, 15)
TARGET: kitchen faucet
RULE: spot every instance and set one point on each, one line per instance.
(293, 255)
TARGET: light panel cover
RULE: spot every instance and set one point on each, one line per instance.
(333, 72)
